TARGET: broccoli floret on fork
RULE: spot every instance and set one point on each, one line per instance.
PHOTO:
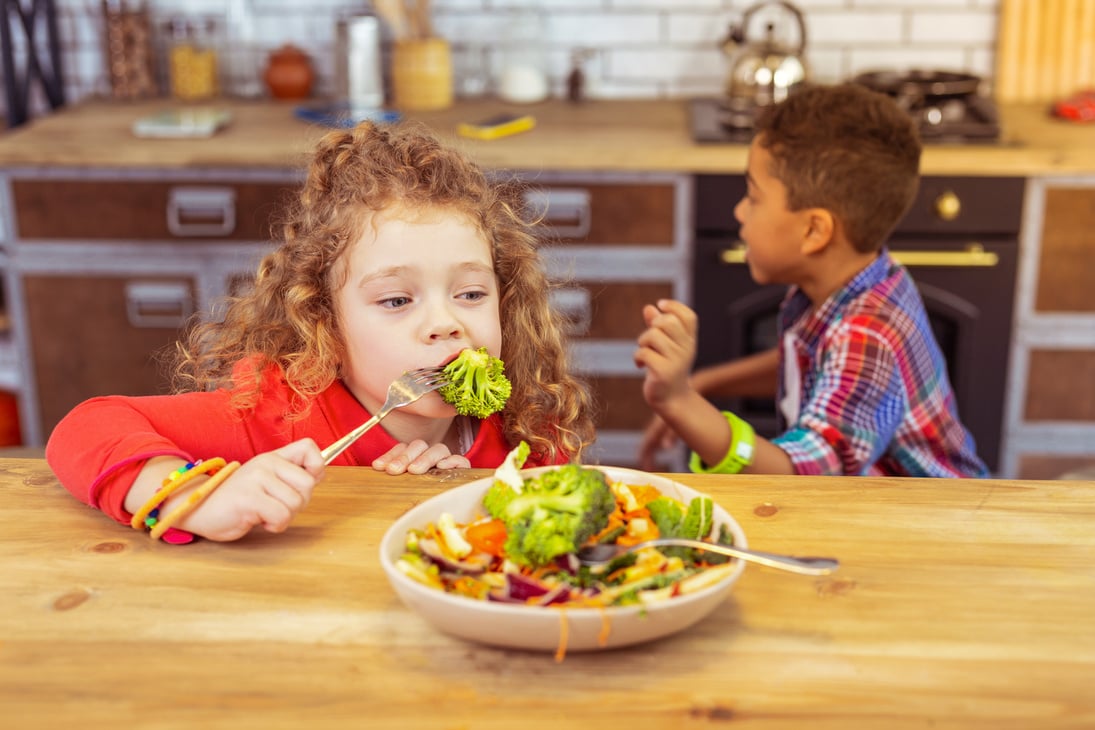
(477, 384)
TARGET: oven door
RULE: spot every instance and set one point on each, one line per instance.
(968, 293)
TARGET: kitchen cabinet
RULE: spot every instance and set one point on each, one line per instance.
(1051, 407)
(105, 269)
(619, 241)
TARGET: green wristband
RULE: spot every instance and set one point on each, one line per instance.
(740, 454)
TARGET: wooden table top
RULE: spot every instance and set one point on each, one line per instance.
(600, 136)
(958, 604)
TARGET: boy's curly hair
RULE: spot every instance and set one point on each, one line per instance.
(288, 317)
(848, 149)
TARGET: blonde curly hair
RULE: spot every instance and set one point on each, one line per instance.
(288, 317)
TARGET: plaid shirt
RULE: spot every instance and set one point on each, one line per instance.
(872, 393)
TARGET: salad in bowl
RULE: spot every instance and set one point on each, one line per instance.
(494, 561)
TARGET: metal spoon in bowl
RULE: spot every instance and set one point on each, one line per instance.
(601, 554)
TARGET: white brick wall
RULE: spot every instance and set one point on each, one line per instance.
(640, 48)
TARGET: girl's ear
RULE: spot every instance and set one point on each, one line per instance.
(820, 227)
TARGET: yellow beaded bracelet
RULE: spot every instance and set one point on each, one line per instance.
(193, 499)
(174, 481)
(740, 454)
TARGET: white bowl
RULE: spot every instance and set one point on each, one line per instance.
(539, 627)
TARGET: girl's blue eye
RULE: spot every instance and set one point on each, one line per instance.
(473, 295)
(395, 302)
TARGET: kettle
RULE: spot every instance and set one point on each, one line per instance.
(763, 72)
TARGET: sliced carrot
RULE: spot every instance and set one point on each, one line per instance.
(487, 537)
(644, 494)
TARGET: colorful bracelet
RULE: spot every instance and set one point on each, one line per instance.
(144, 517)
(740, 454)
(194, 499)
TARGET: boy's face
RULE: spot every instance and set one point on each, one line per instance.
(419, 289)
(773, 235)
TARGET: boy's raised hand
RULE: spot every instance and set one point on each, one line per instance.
(667, 349)
(270, 489)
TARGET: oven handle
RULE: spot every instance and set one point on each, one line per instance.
(973, 256)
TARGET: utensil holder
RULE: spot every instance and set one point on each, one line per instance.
(422, 74)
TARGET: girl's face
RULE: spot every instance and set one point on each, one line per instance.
(420, 287)
(773, 235)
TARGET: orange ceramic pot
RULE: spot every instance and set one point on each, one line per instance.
(289, 73)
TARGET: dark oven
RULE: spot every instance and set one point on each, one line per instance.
(960, 242)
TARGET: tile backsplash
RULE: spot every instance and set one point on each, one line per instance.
(630, 48)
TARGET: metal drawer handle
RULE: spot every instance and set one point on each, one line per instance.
(201, 211)
(974, 256)
(575, 305)
(566, 211)
(158, 303)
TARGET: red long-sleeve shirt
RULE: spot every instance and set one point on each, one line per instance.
(98, 449)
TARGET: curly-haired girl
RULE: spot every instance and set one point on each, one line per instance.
(398, 254)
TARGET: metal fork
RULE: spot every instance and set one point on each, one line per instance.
(408, 388)
(604, 553)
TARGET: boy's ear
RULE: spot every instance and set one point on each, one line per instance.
(820, 228)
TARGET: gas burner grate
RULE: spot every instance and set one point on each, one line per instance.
(970, 120)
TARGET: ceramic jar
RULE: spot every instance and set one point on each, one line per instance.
(422, 74)
(289, 73)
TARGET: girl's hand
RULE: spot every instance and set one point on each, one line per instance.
(418, 457)
(268, 490)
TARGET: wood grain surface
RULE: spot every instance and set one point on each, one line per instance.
(1045, 49)
(602, 136)
(958, 604)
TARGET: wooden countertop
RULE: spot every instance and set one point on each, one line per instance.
(958, 604)
(597, 135)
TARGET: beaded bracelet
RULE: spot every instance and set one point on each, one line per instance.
(194, 499)
(144, 518)
(740, 454)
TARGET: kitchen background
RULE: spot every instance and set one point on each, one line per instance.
(1027, 52)
(628, 48)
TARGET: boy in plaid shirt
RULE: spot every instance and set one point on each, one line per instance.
(861, 383)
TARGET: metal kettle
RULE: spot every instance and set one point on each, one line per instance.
(763, 72)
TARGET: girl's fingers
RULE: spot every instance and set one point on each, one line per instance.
(438, 456)
(400, 457)
(429, 458)
(304, 453)
(274, 515)
(289, 495)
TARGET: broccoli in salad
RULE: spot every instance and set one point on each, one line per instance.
(476, 384)
(550, 514)
(694, 523)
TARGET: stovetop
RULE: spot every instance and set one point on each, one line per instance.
(971, 120)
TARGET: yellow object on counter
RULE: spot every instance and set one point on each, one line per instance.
(502, 125)
(193, 72)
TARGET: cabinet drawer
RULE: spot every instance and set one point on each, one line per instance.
(603, 310)
(635, 214)
(1059, 386)
(98, 335)
(1055, 466)
(101, 210)
(951, 206)
(1067, 257)
(619, 402)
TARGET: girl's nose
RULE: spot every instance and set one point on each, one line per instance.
(442, 324)
(446, 332)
